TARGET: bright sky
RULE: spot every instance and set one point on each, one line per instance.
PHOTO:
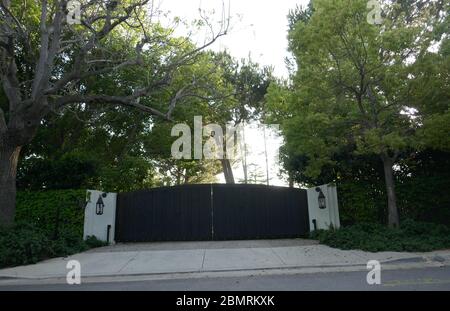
(258, 29)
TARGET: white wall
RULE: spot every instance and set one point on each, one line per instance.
(97, 225)
(324, 217)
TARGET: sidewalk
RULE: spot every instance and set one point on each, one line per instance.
(189, 257)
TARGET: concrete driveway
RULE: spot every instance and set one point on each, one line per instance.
(193, 257)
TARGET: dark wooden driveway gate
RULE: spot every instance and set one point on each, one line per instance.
(211, 212)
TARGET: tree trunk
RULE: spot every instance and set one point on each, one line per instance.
(265, 155)
(244, 156)
(227, 171)
(9, 157)
(226, 166)
(291, 183)
(393, 219)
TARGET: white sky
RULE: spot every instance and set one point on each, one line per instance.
(259, 29)
(256, 163)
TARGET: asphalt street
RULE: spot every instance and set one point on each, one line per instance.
(424, 279)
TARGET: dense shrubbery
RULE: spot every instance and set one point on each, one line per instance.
(48, 224)
(410, 237)
(423, 198)
(361, 201)
(26, 244)
(52, 211)
(22, 244)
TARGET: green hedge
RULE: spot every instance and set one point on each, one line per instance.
(48, 224)
(52, 211)
(26, 244)
(361, 202)
(424, 198)
(410, 237)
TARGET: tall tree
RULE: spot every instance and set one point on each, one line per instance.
(249, 82)
(353, 85)
(57, 58)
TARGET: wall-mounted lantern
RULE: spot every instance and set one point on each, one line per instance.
(321, 199)
(99, 206)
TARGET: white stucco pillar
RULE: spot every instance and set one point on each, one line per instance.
(100, 215)
(323, 218)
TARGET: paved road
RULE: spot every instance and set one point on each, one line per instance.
(411, 279)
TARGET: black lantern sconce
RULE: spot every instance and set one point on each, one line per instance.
(321, 199)
(99, 206)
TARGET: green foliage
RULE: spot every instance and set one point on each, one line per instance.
(131, 173)
(422, 183)
(92, 242)
(39, 173)
(354, 100)
(410, 237)
(22, 244)
(52, 211)
(48, 224)
(435, 132)
(335, 102)
(422, 187)
(26, 243)
(361, 201)
(67, 243)
(118, 149)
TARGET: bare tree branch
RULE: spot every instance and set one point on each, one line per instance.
(129, 101)
(11, 85)
(5, 6)
(84, 54)
(43, 52)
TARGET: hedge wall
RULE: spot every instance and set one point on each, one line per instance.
(48, 224)
(425, 198)
(52, 211)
